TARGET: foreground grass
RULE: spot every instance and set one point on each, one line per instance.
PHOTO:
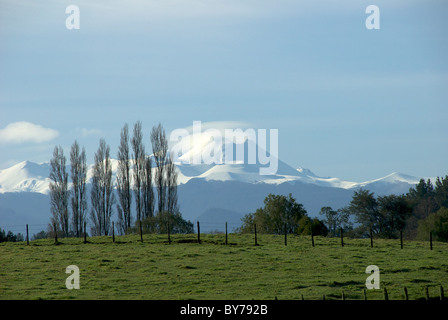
(184, 269)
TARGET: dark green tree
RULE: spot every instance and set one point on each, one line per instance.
(423, 202)
(335, 220)
(314, 225)
(437, 223)
(364, 207)
(394, 211)
(441, 192)
(279, 212)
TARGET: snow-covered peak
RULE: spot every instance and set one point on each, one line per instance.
(28, 176)
(306, 172)
(25, 176)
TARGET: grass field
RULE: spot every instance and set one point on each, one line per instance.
(184, 269)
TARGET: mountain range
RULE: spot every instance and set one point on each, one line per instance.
(212, 194)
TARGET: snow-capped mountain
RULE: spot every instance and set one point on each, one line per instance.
(205, 191)
(25, 176)
(233, 160)
(28, 176)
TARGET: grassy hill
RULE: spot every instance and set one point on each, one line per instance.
(184, 269)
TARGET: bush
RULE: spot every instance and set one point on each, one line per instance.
(161, 222)
(306, 224)
(437, 223)
(279, 212)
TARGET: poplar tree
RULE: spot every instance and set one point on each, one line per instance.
(59, 194)
(124, 182)
(102, 194)
(78, 194)
(139, 168)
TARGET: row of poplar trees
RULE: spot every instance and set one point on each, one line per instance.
(151, 193)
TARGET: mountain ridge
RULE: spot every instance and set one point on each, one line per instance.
(205, 192)
(27, 176)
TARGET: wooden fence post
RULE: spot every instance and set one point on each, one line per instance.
(226, 232)
(141, 230)
(371, 238)
(55, 234)
(406, 293)
(85, 233)
(426, 293)
(442, 297)
(386, 296)
(199, 233)
(430, 240)
(312, 238)
(113, 232)
(169, 233)
(255, 229)
(27, 236)
(401, 239)
(342, 238)
(286, 240)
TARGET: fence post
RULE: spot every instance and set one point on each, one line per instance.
(342, 238)
(426, 293)
(442, 297)
(401, 239)
(406, 293)
(371, 238)
(141, 230)
(365, 294)
(312, 237)
(386, 296)
(255, 228)
(199, 233)
(430, 240)
(27, 236)
(113, 232)
(169, 234)
(226, 232)
(286, 240)
(85, 233)
(55, 234)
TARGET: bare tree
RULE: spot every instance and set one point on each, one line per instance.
(139, 167)
(148, 192)
(124, 182)
(102, 194)
(79, 196)
(171, 183)
(59, 193)
(160, 151)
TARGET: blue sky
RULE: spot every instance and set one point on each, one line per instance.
(348, 102)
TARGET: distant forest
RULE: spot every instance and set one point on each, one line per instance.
(423, 209)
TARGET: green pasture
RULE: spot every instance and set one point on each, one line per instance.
(184, 269)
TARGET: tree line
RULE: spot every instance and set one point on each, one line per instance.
(144, 190)
(10, 236)
(423, 209)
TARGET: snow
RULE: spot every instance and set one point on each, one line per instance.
(27, 176)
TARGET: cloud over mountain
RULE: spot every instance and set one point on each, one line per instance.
(22, 132)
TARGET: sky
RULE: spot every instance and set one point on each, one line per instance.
(348, 101)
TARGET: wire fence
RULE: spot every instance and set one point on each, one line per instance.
(32, 232)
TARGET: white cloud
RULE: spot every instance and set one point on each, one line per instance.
(88, 132)
(22, 131)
